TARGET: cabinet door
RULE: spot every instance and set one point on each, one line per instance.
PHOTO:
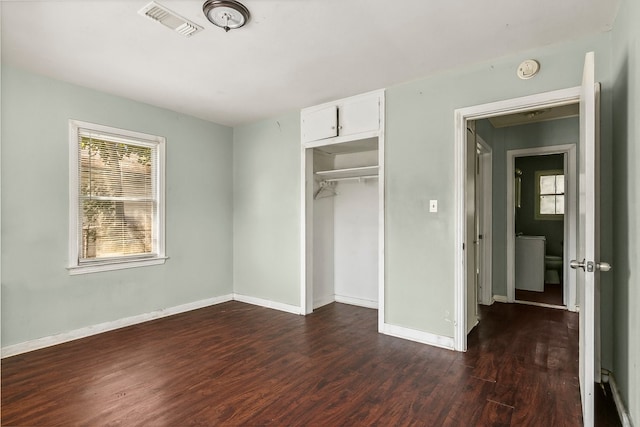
(360, 115)
(320, 124)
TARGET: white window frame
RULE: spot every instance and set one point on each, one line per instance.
(548, 217)
(159, 256)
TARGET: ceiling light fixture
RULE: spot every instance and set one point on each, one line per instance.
(227, 14)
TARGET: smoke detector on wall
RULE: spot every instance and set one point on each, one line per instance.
(527, 69)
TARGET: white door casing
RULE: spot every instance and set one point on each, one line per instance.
(461, 117)
(570, 226)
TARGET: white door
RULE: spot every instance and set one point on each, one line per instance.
(587, 265)
(478, 227)
(471, 236)
(483, 222)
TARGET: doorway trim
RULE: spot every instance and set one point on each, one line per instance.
(461, 116)
(570, 219)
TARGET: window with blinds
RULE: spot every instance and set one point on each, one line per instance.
(118, 206)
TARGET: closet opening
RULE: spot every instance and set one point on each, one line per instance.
(344, 223)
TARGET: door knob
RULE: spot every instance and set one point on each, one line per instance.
(589, 266)
(575, 264)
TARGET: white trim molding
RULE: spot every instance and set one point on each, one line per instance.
(268, 304)
(157, 144)
(321, 302)
(500, 298)
(417, 336)
(118, 265)
(540, 304)
(623, 413)
(461, 117)
(570, 223)
(356, 301)
(88, 331)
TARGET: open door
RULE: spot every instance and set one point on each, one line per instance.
(471, 230)
(587, 265)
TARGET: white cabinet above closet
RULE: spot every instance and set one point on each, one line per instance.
(346, 119)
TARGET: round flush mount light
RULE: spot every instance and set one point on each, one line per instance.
(226, 14)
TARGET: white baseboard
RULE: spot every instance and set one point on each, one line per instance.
(541, 304)
(52, 340)
(393, 330)
(625, 418)
(500, 298)
(356, 301)
(294, 309)
(418, 336)
(321, 302)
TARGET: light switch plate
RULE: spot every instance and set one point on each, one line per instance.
(433, 206)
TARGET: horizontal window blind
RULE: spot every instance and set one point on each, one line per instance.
(117, 196)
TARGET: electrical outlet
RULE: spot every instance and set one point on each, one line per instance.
(433, 206)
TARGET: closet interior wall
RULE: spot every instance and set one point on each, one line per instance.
(345, 229)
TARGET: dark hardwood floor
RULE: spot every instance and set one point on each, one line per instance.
(237, 364)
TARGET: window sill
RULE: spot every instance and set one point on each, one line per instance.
(549, 217)
(114, 265)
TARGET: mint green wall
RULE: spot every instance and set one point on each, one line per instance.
(39, 298)
(420, 162)
(266, 229)
(419, 166)
(626, 202)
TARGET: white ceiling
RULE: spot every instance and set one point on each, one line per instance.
(291, 54)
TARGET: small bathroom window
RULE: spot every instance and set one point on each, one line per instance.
(550, 195)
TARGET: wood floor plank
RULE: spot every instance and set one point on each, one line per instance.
(495, 414)
(237, 364)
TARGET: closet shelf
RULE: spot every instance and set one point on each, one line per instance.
(361, 172)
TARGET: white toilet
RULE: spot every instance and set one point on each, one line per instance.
(553, 269)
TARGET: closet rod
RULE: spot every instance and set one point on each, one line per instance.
(350, 178)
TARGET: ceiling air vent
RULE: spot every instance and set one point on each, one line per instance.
(170, 19)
